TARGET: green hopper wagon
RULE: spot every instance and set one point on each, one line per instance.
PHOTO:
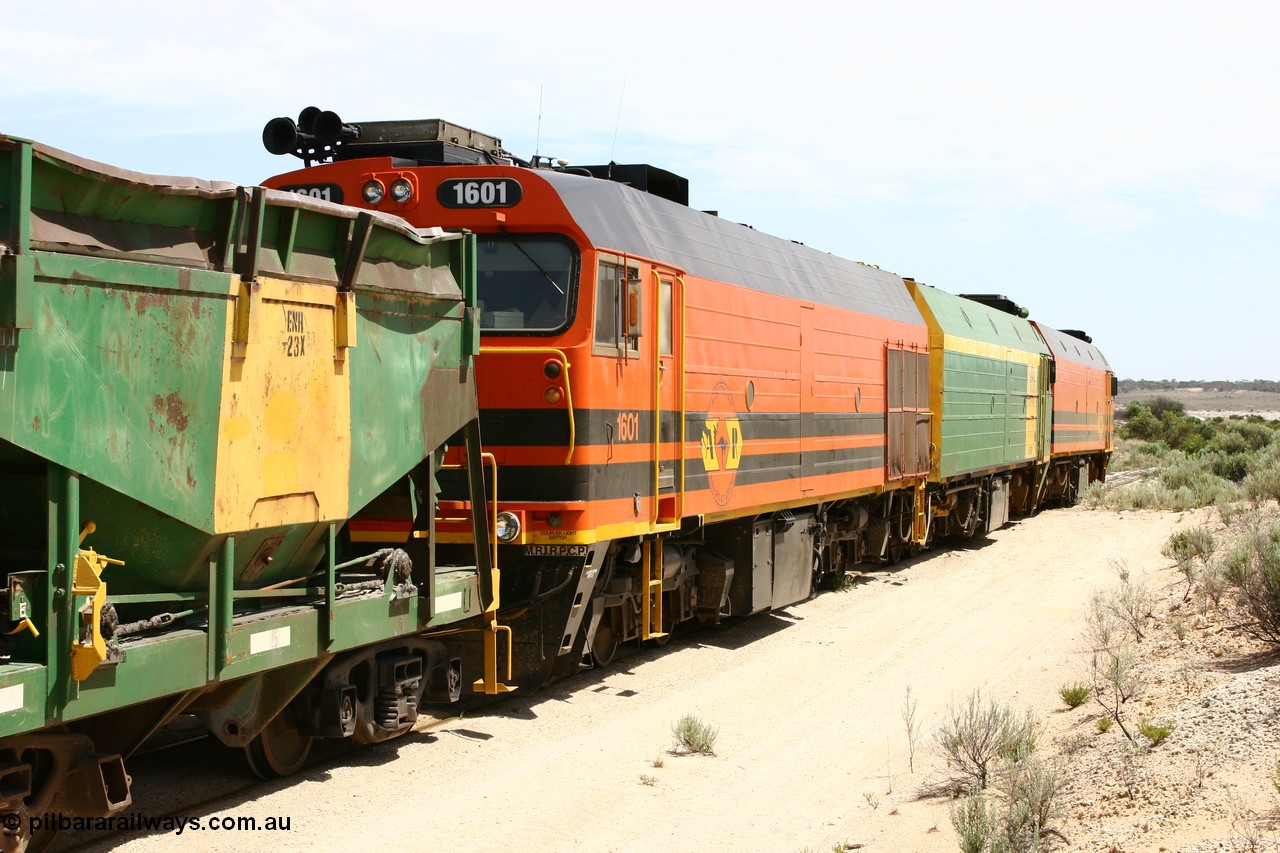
(200, 385)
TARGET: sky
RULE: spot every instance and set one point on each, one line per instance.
(1112, 166)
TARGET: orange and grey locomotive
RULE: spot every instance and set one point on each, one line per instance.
(687, 418)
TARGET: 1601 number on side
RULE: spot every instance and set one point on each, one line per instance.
(489, 192)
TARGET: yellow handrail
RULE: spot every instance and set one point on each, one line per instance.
(680, 393)
(680, 398)
(492, 462)
(489, 683)
(657, 394)
(568, 391)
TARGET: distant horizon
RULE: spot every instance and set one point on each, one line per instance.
(1234, 384)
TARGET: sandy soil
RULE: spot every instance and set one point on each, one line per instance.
(812, 750)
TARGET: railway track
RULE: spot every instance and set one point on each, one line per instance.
(1122, 477)
(164, 787)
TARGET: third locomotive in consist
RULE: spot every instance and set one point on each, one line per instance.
(691, 419)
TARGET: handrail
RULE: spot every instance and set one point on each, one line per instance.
(488, 682)
(492, 461)
(679, 352)
(568, 390)
(657, 393)
(681, 391)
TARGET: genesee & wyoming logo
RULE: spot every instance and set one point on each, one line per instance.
(721, 444)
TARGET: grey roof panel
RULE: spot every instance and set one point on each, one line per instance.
(618, 217)
(1072, 348)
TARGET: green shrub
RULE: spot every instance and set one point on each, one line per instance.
(1263, 481)
(1233, 467)
(1253, 434)
(1192, 484)
(1190, 549)
(693, 735)
(1212, 584)
(975, 734)
(1141, 424)
(1253, 569)
(1030, 789)
(1094, 495)
(1154, 732)
(1075, 695)
(1230, 442)
(974, 823)
(1104, 724)
(1190, 543)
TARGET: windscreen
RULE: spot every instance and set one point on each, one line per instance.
(527, 282)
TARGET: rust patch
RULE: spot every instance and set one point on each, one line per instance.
(191, 480)
(146, 300)
(172, 409)
(35, 423)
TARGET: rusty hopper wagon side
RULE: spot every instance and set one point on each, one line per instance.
(200, 385)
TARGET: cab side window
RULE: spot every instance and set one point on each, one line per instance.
(617, 320)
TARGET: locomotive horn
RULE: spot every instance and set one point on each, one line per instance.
(315, 129)
(307, 119)
(328, 128)
(282, 136)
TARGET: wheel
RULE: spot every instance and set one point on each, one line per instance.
(604, 645)
(278, 750)
(36, 841)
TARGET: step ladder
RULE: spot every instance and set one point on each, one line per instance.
(651, 603)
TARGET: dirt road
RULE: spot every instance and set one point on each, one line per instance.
(812, 748)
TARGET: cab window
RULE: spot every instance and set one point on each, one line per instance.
(527, 282)
(617, 320)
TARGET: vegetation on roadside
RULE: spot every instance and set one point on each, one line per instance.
(1009, 793)
(1004, 791)
(1189, 462)
(1156, 733)
(1252, 568)
(1076, 694)
(693, 736)
(976, 734)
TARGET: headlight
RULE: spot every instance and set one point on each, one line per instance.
(373, 191)
(401, 190)
(508, 527)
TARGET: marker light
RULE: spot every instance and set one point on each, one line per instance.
(401, 190)
(373, 191)
(508, 527)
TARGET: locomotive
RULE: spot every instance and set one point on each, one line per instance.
(690, 419)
